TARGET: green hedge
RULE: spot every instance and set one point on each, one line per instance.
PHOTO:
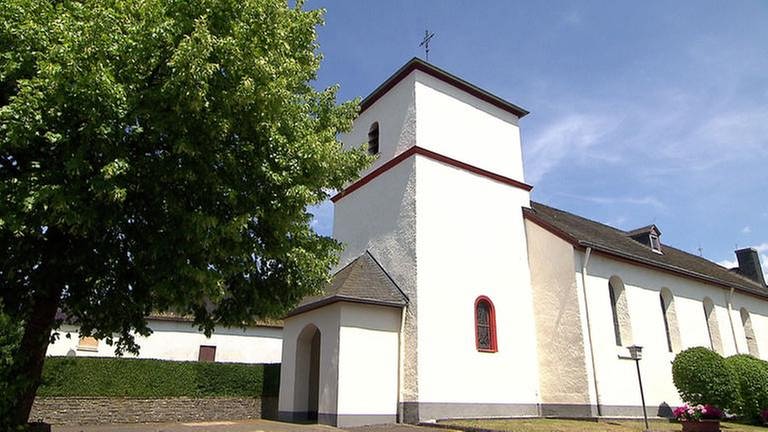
(752, 378)
(84, 376)
(702, 376)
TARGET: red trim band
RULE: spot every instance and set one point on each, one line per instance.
(436, 157)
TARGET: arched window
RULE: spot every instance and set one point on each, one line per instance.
(712, 327)
(485, 325)
(670, 319)
(622, 327)
(749, 332)
(373, 139)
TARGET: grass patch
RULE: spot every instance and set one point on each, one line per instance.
(557, 425)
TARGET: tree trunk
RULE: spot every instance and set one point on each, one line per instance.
(33, 346)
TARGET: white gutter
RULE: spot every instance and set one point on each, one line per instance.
(584, 265)
(401, 355)
(729, 302)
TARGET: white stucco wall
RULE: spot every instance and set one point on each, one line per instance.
(381, 217)
(327, 320)
(471, 242)
(562, 342)
(758, 310)
(368, 361)
(458, 125)
(395, 112)
(179, 341)
(617, 382)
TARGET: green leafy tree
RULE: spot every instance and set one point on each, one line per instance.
(160, 155)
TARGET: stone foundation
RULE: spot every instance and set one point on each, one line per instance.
(99, 410)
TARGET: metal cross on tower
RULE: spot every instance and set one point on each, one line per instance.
(425, 43)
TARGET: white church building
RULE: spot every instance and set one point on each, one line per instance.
(458, 296)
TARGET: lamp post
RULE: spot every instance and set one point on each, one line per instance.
(636, 353)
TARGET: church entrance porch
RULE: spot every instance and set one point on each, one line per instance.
(340, 365)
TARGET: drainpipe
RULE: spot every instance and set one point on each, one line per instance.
(401, 362)
(584, 265)
(730, 319)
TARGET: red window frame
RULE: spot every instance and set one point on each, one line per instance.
(491, 324)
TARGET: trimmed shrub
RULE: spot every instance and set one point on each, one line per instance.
(752, 378)
(89, 376)
(702, 376)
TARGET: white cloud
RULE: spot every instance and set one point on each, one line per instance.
(572, 18)
(746, 230)
(729, 264)
(764, 263)
(641, 201)
(566, 139)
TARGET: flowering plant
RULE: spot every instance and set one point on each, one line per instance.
(697, 413)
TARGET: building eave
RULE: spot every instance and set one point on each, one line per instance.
(429, 69)
(336, 299)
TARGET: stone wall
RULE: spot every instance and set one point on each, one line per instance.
(95, 410)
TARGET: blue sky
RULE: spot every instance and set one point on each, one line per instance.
(641, 112)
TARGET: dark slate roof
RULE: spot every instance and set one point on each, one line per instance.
(361, 281)
(603, 238)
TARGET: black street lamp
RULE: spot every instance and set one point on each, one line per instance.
(636, 353)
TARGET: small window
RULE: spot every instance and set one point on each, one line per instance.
(207, 353)
(88, 343)
(485, 325)
(655, 243)
(373, 139)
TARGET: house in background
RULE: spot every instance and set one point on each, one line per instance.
(458, 296)
(175, 338)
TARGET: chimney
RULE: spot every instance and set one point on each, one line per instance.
(749, 264)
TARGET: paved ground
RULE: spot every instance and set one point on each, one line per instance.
(237, 426)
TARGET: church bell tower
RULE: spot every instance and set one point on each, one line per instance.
(441, 210)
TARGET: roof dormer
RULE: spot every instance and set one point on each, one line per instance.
(647, 235)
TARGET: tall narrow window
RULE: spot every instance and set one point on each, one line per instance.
(712, 326)
(373, 139)
(666, 322)
(670, 319)
(749, 332)
(485, 325)
(622, 328)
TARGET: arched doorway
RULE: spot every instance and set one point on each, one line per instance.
(307, 382)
